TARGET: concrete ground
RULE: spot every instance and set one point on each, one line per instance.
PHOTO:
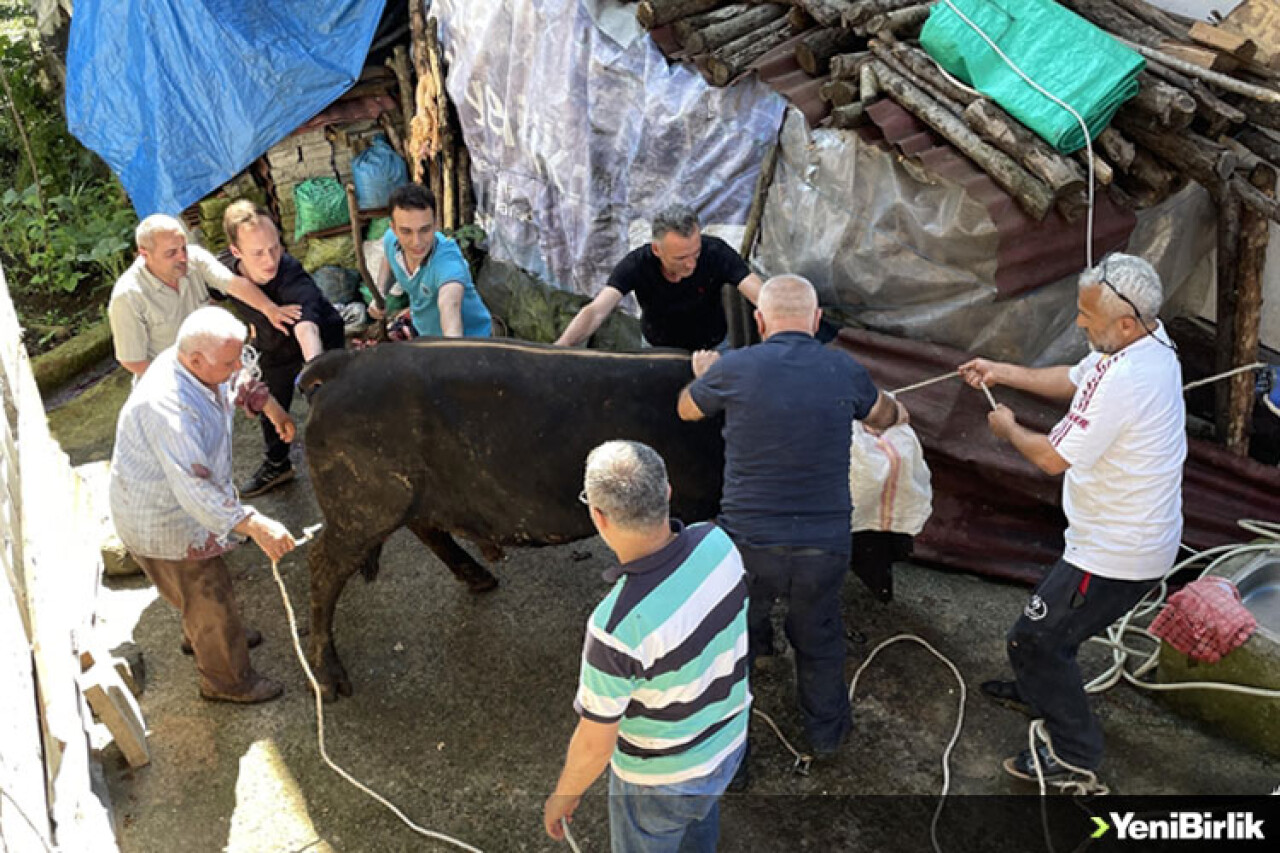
(463, 709)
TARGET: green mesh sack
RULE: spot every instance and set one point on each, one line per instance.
(321, 203)
(329, 252)
(377, 227)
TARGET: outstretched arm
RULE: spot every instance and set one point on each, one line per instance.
(590, 318)
(1052, 383)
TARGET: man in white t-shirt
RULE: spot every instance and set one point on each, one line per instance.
(1121, 447)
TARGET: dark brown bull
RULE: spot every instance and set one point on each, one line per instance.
(484, 439)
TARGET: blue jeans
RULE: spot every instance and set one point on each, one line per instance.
(680, 818)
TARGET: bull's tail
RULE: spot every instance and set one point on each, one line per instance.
(322, 369)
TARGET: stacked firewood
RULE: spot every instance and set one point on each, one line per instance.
(1206, 110)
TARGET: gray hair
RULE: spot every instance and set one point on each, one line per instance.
(679, 218)
(627, 481)
(157, 223)
(207, 328)
(787, 297)
(1133, 278)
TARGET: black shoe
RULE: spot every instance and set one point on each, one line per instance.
(1006, 693)
(267, 477)
(1022, 766)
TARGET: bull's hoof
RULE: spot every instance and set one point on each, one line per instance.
(476, 586)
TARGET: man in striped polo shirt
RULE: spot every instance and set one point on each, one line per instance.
(663, 696)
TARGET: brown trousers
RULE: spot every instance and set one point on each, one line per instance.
(201, 590)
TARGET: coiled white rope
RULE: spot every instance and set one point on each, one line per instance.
(315, 689)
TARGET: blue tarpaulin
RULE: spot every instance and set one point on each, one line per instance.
(180, 95)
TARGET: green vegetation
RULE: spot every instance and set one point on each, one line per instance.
(65, 223)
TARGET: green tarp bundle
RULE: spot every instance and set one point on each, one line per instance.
(1068, 56)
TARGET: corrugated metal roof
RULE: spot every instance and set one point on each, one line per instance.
(1030, 253)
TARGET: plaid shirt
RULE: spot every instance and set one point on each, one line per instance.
(171, 492)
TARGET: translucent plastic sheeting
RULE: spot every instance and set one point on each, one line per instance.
(915, 257)
(574, 137)
(178, 97)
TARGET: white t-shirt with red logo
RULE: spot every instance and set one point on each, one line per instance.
(1125, 440)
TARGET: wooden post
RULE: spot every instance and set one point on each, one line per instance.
(1254, 229)
(1228, 269)
(448, 171)
(353, 211)
(399, 63)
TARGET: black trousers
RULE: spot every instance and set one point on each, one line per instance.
(810, 579)
(1067, 607)
(279, 378)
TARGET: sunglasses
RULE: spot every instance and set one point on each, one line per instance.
(1137, 315)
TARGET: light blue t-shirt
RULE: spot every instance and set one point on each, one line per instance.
(443, 265)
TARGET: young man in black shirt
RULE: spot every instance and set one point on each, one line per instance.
(255, 253)
(677, 280)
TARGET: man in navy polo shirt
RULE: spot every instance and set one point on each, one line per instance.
(789, 405)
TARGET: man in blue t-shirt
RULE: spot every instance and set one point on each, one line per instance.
(789, 406)
(430, 269)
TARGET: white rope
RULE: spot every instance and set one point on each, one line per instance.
(955, 735)
(1257, 365)
(1088, 139)
(950, 374)
(315, 688)
(568, 836)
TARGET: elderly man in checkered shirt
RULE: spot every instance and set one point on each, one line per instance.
(175, 507)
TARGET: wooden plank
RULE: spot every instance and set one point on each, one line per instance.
(1258, 21)
(116, 707)
(1203, 57)
(1233, 43)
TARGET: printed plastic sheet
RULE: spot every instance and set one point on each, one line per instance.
(915, 256)
(576, 139)
(178, 97)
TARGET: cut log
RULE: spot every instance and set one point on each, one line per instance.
(799, 19)
(827, 13)
(1031, 194)
(863, 9)
(1117, 21)
(718, 35)
(886, 55)
(684, 26)
(1171, 107)
(1216, 112)
(1154, 17)
(849, 116)
(897, 21)
(1102, 171)
(1231, 43)
(1253, 198)
(1262, 144)
(1254, 228)
(868, 85)
(1117, 149)
(1150, 171)
(845, 66)
(923, 68)
(1204, 161)
(996, 126)
(817, 47)
(839, 93)
(1222, 81)
(654, 13)
(727, 62)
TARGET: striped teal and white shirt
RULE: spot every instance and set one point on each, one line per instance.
(171, 492)
(666, 654)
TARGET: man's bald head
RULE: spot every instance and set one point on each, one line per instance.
(788, 303)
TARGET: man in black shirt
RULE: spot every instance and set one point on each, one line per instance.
(677, 280)
(255, 253)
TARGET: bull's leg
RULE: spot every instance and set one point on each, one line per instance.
(463, 565)
(331, 568)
